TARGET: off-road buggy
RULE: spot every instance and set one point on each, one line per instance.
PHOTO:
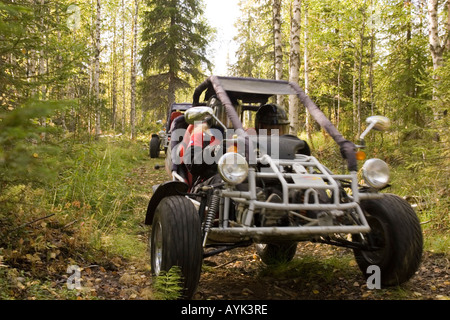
(160, 141)
(266, 190)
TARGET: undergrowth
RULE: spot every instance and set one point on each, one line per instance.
(90, 207)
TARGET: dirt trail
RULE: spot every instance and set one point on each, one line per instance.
(240, 275)
(318, 272)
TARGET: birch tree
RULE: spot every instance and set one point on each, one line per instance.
(133, 72)
(124, 100)
(97, 50)
(278, 46)
(437, 45)
(294, 65)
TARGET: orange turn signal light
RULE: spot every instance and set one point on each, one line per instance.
(360, 155)
(232, 148)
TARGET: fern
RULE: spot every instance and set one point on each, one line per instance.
(167, 285)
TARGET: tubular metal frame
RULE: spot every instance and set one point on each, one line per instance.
(249, 198)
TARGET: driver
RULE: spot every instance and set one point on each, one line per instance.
(271, 116)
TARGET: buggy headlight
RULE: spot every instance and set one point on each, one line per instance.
(233, 168)
(376, 173)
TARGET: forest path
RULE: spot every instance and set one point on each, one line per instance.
(318, 272)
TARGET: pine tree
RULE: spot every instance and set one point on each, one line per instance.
(175, 38)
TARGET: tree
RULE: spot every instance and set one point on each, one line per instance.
(438, 46)
(175, 38)
(278, 45)
(97, 50)
(124, 100)
(255, 53)
(133, 72)
(294, 66)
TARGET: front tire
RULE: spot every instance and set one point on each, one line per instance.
(175, 240)
(395, 237)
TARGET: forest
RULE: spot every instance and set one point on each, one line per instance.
(82, 85)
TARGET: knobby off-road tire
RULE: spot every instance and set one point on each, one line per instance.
(276, 253)
(175, 240)
(396, 231)
(154, 147)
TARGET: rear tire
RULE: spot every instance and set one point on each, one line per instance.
(276, 253)
(154, 147)
(175, 240)
(397, 237)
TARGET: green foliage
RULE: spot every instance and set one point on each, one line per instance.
(91, 192)
(175, 38)
(316, 270)
(255, 51)
(24, 156)
(167, 285)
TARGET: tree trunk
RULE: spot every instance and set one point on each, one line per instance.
(436, 49)
(294, 66)
(42, 67)
(114, 75)
(448, 25)
(306, 66)
(361, 53)
(278, 46)
(354, 102)
(133, 73)
(124, 100)
(97, 49)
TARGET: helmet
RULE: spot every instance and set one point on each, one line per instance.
(272, 116)
(220, 112)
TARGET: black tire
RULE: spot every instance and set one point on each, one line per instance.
(397, 235)
(154, 147)
(175, 240)
(276, 253)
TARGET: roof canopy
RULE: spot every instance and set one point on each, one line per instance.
(261, 86)
(248, 90)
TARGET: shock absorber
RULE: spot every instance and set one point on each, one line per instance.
(209, 219)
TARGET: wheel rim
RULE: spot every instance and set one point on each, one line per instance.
(157, 248)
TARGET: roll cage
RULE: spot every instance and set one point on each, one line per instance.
(250, 90)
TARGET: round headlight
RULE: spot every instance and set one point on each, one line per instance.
(376, 173)
(233, 168)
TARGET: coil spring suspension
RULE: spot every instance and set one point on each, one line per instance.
(213, 206)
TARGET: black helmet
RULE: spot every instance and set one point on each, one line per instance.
(220, 112)
(272, 116)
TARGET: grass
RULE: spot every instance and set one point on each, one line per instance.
(92, 211)
(315, 269)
